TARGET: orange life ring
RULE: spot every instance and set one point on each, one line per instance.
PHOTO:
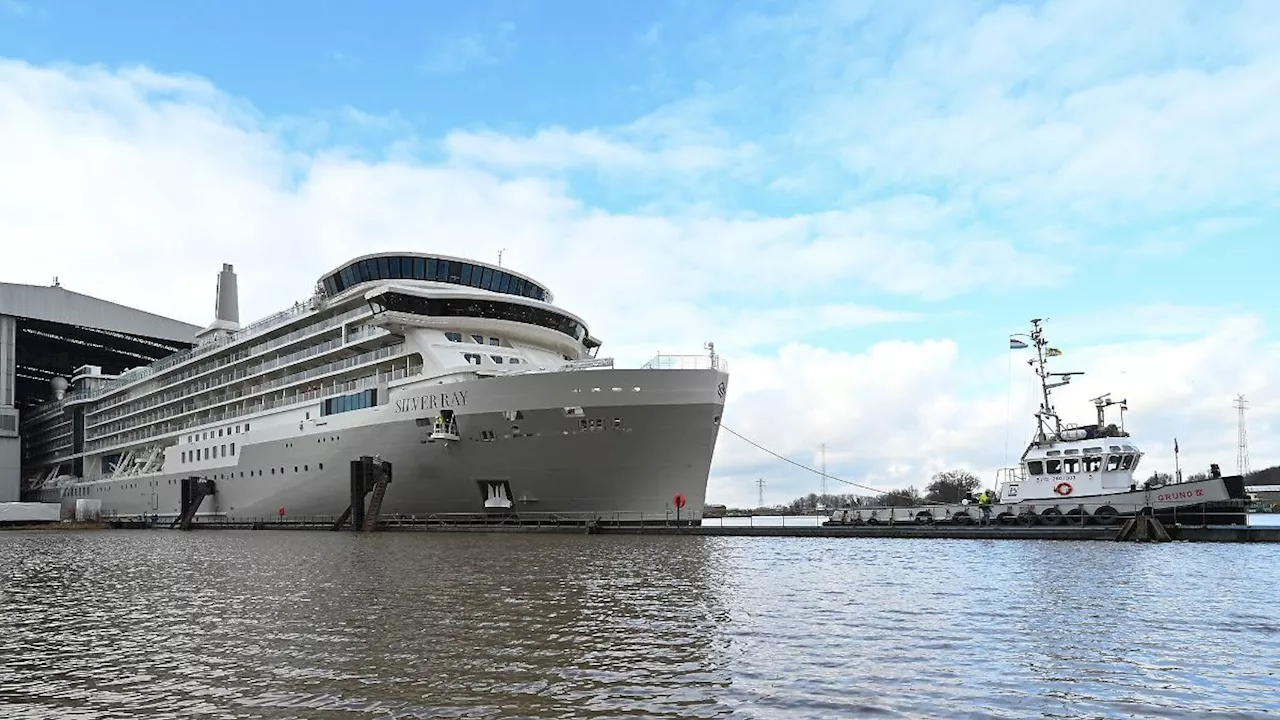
(1063, 488)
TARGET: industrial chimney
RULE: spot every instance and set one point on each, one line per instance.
(226, 312)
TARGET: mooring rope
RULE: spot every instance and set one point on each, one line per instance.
(801, 465)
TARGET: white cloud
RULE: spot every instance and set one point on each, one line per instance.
(459, 53)
(1085, 111)
(133, 186)
(678, 140)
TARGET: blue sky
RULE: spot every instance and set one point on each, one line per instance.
(805, 181)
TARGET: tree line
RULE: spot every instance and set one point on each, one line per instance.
(950, 486)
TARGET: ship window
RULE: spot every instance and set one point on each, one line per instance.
(514, 361)
(321, 466)
(384, 270)
(1073, 451)
(1126, 462)
(206, 453)
(466, 273)
(1097, 450)
(233, 448)
(1113, 463)
(348, 403)
(246, 427)
(1053, 467)
(497, 359)
(1093, 463)
(362, 268)
(1071, 465)
(494, 341)
(420, 268)
(1035, 467)
(486, 278)
(184, 456)
(477, 275)
(1054, 453)
(478, 338)
(505, 287)
(454, 336)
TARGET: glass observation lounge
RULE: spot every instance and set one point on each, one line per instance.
(437, 269)
(472, 308)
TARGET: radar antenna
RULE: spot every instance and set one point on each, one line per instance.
(1102, 402)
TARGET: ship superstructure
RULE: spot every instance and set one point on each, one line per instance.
(388, 348)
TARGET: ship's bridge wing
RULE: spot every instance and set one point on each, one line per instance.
(431, 302)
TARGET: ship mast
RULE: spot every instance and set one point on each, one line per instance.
(1045, 431)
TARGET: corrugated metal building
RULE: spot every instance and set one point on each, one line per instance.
(49, 332)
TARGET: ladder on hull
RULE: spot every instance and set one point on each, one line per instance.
(375, 505)
(368, 475)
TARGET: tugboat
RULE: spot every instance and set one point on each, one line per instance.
(1076, 474)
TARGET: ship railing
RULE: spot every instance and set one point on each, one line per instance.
(687, 362)
(232, 394)
(124, 439)
(258, 328)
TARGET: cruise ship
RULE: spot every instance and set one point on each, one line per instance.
(482, 394)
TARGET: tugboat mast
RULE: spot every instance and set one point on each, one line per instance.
(1046, 432)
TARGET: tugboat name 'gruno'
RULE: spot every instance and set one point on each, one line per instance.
(432, 402)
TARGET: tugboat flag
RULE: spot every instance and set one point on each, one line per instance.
(1016, 344)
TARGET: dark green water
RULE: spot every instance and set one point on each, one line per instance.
(269, 624)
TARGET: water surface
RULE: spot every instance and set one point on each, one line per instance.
(291, 624)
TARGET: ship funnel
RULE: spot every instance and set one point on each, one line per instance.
(228, 301)
(226, 311)
(59, 387)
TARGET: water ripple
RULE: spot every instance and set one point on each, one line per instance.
(335, 625)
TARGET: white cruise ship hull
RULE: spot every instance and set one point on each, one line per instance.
(616, 444)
